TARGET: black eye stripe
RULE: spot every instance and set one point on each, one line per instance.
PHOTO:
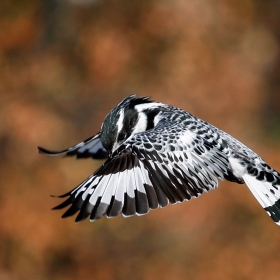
(130, 118)
(121, 136)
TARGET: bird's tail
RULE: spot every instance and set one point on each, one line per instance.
(266, 189)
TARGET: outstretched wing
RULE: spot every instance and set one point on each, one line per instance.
(92, 147)
(143, 174)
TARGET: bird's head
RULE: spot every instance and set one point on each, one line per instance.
(132, 115)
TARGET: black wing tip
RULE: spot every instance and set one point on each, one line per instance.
(41, 150)
(50, 153)
(62, 195)
(274, 212)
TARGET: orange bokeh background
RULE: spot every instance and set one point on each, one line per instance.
(65, 64)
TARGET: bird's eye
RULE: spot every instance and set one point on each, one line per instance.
(121, 136)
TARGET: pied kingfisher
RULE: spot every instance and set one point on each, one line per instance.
(156, 154)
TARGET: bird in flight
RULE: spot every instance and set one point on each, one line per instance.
(155, 154)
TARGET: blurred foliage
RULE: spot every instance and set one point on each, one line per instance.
(65, 64)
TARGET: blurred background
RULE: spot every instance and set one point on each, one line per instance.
(65, 64)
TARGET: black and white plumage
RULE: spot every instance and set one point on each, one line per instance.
(156, 154)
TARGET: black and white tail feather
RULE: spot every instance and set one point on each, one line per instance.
(156, 154)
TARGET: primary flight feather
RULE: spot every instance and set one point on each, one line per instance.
(156, 154)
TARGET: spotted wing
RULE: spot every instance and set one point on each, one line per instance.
(143, 175)
(92, 147)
